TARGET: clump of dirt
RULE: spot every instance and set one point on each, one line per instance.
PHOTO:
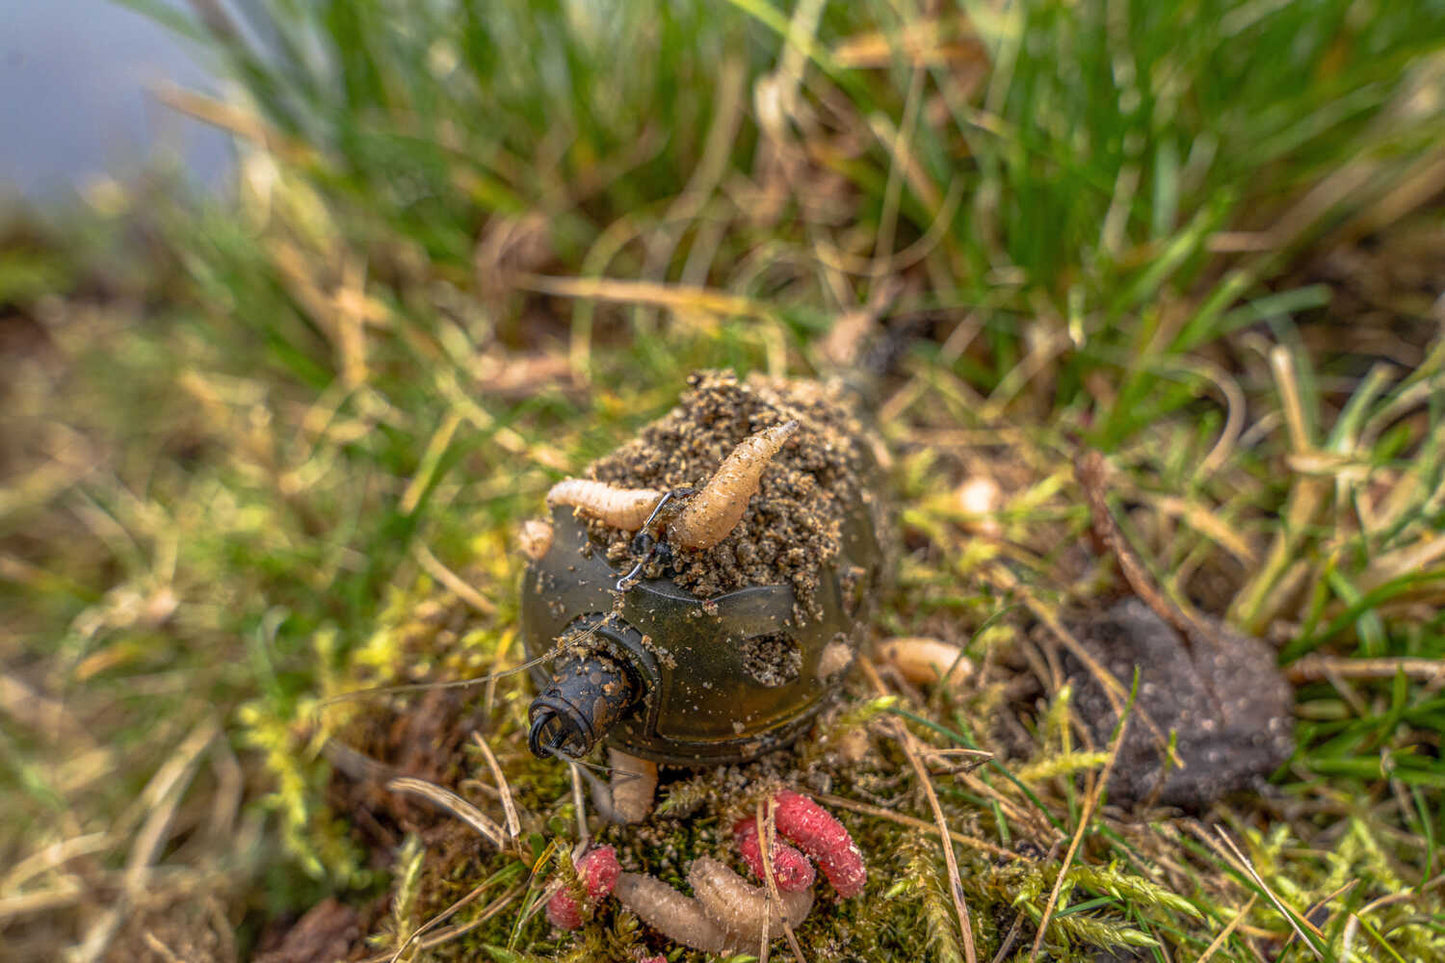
(792, 526)
(772, 660)
(1223, 696)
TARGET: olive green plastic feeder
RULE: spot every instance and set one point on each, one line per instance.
(663, 674)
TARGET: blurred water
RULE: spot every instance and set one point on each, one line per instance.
(73, 101)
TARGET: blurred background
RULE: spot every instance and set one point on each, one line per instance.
(75, 101)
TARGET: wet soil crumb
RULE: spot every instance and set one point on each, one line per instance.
(792, 527)
(772, 660)
(1223, 695)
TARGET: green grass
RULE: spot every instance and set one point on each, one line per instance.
(254, 438)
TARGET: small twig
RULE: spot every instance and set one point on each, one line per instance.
(236, 120)
(452, 580)
(1319, 668)
(435, 451)
(1401, 896)
(1314, 909)
(1090, 804)
(50, 858)
(48, 717)
(454, 804)
(67, 893)
(1257, 602)
(451, 933)
(1204, 521)
(230, 789)
(878, 812)
(767, 831)
(882, 271)
(681, 297)
(1091, 471)
(765, 839)
(354, 764)
(514, 824)
(165, 883)
(1356, 919)
(601, 791)
(1291, 917)
(579, 804)
(166, 954)
(1235, 408)
(1224, 934)
(1008, 940)
(385, 690)
(973, 758)
(164, 793)
(910, 748)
